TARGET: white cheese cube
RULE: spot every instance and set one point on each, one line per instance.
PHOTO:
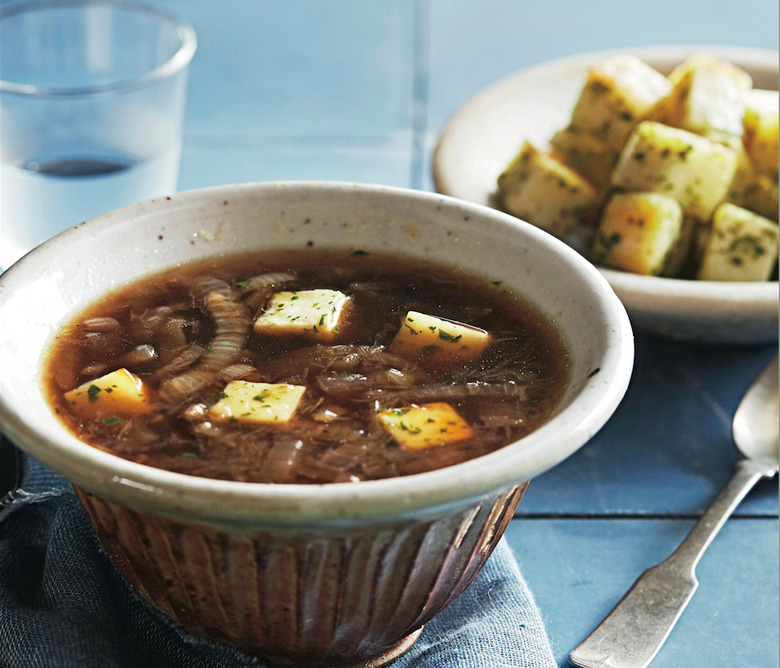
(314, 314)
(638, 232)
(762, 119)
(587, 156)
(754, 190)
(707, 98)
(115, 394)
(760, 195)
(694, 170)
(683, 259)
(541, 190)
(615, 97)
(742, 246)
(438, 342)
(265, 403)
(425, 425)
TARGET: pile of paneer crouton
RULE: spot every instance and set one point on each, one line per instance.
(673, 176)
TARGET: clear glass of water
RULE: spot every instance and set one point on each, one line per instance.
(92, 97)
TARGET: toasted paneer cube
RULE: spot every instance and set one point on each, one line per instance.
(760, 195)
(425, 425)
(694, 170)
(742, 246)
(682, 260)
(438, 342)
(701, 232)
(761, 129)
(266, 403)
(541, 190)
(707, 98)
(117, 393)
(314, 314)
(616, 96)
(754, 190)
(590, 158)
(638, 232)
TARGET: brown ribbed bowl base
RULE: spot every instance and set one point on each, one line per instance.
(329, 595)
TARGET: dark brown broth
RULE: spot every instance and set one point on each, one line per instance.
(335, 436)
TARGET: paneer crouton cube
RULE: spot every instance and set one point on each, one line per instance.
(314, 314)
(589, 157)
(759, 193)
(707, 98)
(694, 170)
(438, 342)
(266, 403)
(425, 425)
(754, 190)
(615, 97)
(638, 232)
(116, 394)
(541, 190)
(762, 119)
(741, 246)
(683, 258)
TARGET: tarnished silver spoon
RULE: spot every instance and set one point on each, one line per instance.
(631, 635)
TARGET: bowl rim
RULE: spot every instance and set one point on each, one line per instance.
(242, 503)
(681, 291)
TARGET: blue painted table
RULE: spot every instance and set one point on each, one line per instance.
(359, 90)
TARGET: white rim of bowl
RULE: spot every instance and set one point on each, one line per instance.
(670, 288)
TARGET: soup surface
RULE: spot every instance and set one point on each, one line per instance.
(306, 368)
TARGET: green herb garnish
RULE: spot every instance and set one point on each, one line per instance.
(92, 393)
(451, 338)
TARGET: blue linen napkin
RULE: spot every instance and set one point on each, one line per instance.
(63, 604)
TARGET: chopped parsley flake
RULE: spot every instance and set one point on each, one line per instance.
(411, 430)
(450, 338)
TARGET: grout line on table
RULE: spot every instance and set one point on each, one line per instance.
(420, 91)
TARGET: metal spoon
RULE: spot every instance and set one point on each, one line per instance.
(631, 635)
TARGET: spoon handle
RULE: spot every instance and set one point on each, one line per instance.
(631, 635)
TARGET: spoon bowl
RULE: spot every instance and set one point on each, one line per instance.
(755, 427)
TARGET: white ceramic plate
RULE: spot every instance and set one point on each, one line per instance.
(486, 133)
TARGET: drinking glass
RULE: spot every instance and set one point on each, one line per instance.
(92, 97)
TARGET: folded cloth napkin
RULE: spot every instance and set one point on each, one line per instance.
(63, 605)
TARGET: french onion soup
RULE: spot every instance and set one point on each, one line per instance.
(306, 367)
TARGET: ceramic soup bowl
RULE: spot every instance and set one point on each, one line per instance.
(316, 574)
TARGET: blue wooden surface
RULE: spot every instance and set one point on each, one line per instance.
(359, 90)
